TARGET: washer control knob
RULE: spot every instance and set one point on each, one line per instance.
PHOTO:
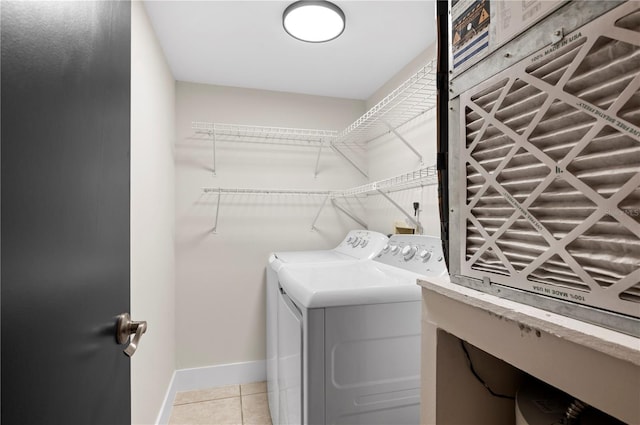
(364, 243)
(386, 248)
(408, 252)
(394, 249)
(425, 255)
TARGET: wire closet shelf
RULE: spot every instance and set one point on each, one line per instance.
(425, 176)
(411, 99)
(414, 97)
(261, 134)
(422, 177)
(237, 133)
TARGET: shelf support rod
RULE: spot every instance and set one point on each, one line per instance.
(411, 219)
(403, 140)
(335, 148)
(215, 224)
(318, 160)
(349, 214)
(313, 224)
(213, 141)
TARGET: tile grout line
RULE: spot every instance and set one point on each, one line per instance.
(205, 400)
(219, 398)
(241, 412)
(240, 396)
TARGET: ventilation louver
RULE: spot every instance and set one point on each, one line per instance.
(552, 169)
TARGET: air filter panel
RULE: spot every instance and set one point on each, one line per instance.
(551, 164)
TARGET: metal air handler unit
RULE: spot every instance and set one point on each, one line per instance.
(544, 155)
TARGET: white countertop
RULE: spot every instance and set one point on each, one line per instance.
(607, 341)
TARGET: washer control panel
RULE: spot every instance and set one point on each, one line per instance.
(362, 243)
(417, 253)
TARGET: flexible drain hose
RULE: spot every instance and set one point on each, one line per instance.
(574, 411)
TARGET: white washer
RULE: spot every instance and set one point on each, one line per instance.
(358, 245)
(349, 337)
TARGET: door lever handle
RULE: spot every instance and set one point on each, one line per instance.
(126, 327)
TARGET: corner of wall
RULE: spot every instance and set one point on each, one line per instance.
(152, 218)
(401, 76)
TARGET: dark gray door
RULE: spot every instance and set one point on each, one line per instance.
(64, 230)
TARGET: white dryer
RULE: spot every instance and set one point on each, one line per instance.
(349, 337)
(358, 245)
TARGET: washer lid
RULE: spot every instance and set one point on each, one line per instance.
(349, 284)
(320, 256)
(278, 260)
(357, 245)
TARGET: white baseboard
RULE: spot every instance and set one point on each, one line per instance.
(165, 409)
(210, 377)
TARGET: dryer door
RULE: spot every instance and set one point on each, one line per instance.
(289, 361)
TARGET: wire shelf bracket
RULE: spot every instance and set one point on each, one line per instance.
(402, 210)
(403, 140)
(349, 160)
(315, 219)
(349, 214)
(265, 192)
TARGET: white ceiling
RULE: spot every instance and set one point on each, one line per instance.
(242, 44)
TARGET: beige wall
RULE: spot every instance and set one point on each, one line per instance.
(152, 218)
(220, 297)
(388, 156)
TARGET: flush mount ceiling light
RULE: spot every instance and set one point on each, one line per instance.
(313, 21)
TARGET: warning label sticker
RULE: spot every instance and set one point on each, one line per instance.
(470, 30)
(512, 17)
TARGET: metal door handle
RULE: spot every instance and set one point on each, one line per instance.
(126, 327)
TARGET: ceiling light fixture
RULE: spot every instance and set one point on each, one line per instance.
(313, 21)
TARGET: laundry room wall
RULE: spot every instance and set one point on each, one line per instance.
(152, 218)
(388, 156)
(220, 294)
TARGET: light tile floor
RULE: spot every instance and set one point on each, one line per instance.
(244, 404)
